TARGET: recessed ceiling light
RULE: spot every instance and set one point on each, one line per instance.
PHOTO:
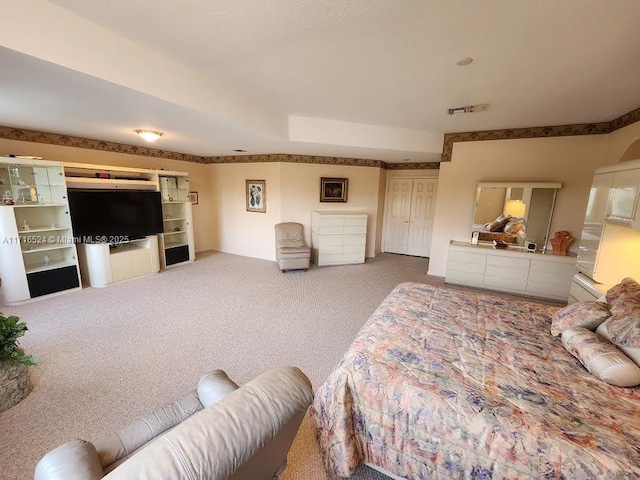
(149, 135)
(464, 61)
(239, 150)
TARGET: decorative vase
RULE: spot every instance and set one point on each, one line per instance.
(14, 383)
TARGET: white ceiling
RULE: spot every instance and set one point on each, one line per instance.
(357, 78)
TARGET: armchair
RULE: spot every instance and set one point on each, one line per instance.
(218, 431)
(291, 250)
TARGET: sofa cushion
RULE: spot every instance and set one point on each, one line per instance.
(75, 460)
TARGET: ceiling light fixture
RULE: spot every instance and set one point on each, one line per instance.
(239, 150)
(149, 135)
(469, 109)
(464, 61)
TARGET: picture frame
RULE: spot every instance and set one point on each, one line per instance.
(256, 195)
(333, 189)
(193, 198)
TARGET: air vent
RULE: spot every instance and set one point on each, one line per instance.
(469, 109)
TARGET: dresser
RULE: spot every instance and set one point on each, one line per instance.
(540, 275)
(338, 238)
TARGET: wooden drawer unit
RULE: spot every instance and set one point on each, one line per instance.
(338, 238)
(511, 270)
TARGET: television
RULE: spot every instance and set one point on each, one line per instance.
(114, 216)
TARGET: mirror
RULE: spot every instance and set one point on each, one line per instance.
(514, 212)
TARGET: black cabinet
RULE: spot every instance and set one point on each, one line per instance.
(51, 281)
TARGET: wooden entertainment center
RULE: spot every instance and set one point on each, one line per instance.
(41, 255)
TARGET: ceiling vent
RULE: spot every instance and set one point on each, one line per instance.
(469, 109)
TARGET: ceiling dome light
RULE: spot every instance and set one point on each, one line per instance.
(149, 135)
(464, 61)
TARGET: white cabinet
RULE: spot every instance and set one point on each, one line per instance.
(512, 271)
(37, 249)
(338, 237)
(583, 289)
(103, 264)
(594, 222)
(176, 241)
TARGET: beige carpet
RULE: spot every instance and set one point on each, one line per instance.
(109, 355)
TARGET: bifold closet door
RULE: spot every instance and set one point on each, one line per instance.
(409, 217)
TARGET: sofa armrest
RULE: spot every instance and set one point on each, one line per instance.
(214, 386)
(74, 460)
(136, 434)
(219, 440)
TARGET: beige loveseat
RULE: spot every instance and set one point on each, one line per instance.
(218, 431)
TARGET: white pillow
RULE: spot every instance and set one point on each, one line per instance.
(600, 357)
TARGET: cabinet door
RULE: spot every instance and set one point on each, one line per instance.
(141, 262)
(121, 267)
(594, 221)
(623, 195)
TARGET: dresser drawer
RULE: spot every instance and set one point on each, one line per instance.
(508, 273)
(581, 294)
(328, 240)
(568, 269)
(464, 278)
(330, 259)
(353, 257)
(464, 257)
(506, 284)
(560, 280)
(519, 264)
(466, 267)
(353, 240)
(548, 290)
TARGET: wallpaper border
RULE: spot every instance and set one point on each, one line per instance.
(25, 135)
(538, 132)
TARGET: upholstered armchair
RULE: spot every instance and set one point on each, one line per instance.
(217, 432)
(291, 250)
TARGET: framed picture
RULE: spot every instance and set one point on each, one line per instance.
(333, 189)
(193, 197)
(256, 196)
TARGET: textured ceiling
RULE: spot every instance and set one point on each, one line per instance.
(366, 62)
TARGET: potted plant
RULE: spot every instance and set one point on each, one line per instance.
(14, 380)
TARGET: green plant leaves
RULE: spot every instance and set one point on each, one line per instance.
(11, 328)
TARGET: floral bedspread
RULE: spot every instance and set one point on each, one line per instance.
(442, 383)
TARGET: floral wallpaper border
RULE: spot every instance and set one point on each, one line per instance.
(537, 132)
(25, 135)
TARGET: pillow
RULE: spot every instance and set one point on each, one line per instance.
(626, 286)
(624, 332)
(513, 226)
(582, 314)
(498, 224)
(600, 357)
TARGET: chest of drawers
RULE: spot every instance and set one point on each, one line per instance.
(338, 238)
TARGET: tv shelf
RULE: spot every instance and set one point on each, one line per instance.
(85, 175)
(103, 263)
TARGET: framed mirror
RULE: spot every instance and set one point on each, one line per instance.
(514, 212)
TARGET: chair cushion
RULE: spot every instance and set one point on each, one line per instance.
(294, 252)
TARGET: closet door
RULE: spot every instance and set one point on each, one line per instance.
(398, 215)
(423, 201)
(409, 216)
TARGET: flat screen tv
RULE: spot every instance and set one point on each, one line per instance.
(114, 216)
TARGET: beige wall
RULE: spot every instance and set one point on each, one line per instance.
(619, 141)
(292, 192)
(570, 160)
(198, 175)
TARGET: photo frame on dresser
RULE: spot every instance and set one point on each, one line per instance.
(333, 189)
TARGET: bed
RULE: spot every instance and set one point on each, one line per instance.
(444, 383)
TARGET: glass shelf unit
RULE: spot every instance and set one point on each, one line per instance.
(37, 252)
(177, 237)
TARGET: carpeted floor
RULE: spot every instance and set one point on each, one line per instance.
(110, 355)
